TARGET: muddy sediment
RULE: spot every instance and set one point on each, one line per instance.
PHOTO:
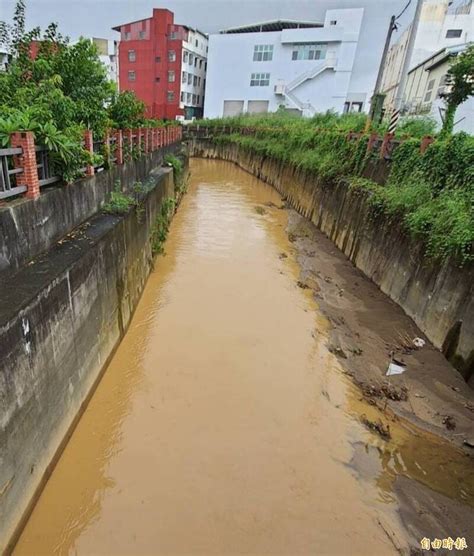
(227, 423)
(437, 295)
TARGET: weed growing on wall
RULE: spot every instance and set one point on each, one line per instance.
(160, 229)
(431, 194)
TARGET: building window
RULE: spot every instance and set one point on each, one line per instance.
(198, 99)
(158, 59)
(126, 36)
(309, 52)
(170, 96)
(205, 66)
(188, 98)
(141, 35)
(195, 80)
(263, 53)
(190, 78)
(191, 59)
(442, 85)
(171, 56)
(195, 62)
(132, 56)
(171, 76)
(197, 42)
(453, 33)
(333, 22)
(173, 35)
(429, 90)
(131, 76)
(194, 99)
(182, 97)
(184, 77)
(185, 56)
(199, 81)
(260, 80)
(200, 64)
(353, 107)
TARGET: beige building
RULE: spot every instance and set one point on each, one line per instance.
(427, 82)
(443, 23)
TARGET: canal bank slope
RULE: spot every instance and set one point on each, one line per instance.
(62, 316)
(438, 298)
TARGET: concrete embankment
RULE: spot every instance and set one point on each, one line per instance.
(438, 297)
(62, 316)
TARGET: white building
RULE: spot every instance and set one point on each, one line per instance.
(305, 67)
(4, 59)
(108, 55)
(193, 74)
(443, 23)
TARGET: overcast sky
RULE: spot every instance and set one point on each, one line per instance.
(96, 17)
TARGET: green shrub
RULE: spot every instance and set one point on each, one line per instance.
(160, 229)
(175, 162)
(431, 194)
(119, 203)
(416, 126)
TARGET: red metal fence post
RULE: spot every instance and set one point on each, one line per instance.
(370, 144)
(89, 146)
(385, 149)
(145, 140)
(129, 135)
(425, 143)
(107, 148)
(118, 147)
(25, 140)
(139, 138)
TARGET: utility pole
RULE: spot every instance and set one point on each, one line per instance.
(376, 102)
(399, 95)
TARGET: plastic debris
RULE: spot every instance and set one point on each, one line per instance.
(395, 369)
(419, 342)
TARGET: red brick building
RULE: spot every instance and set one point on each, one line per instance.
(164, 64)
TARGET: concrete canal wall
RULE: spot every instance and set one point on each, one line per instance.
(62, 315)
(30, 228)
(438, 297)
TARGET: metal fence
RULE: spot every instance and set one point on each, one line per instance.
(11, 165)
(45, 176)
(8, 173)
(382, 145)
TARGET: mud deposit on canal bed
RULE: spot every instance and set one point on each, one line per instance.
(224, 423)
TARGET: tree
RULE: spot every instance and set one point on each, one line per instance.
(59, 92)
(460, 81)
(126, 111)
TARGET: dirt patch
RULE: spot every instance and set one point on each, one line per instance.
(379, 427)
(368, 331)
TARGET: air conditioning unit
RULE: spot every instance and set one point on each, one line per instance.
(280, 88)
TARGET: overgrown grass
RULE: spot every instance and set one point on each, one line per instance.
(160, 229)
(119, 203)
(432, 194)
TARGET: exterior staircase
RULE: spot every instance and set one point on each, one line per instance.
(287, 90)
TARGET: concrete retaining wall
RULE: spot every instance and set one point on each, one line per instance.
(28, 227)
(60, 320)
(438, 297)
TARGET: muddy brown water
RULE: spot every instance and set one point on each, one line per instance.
(223, 425)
